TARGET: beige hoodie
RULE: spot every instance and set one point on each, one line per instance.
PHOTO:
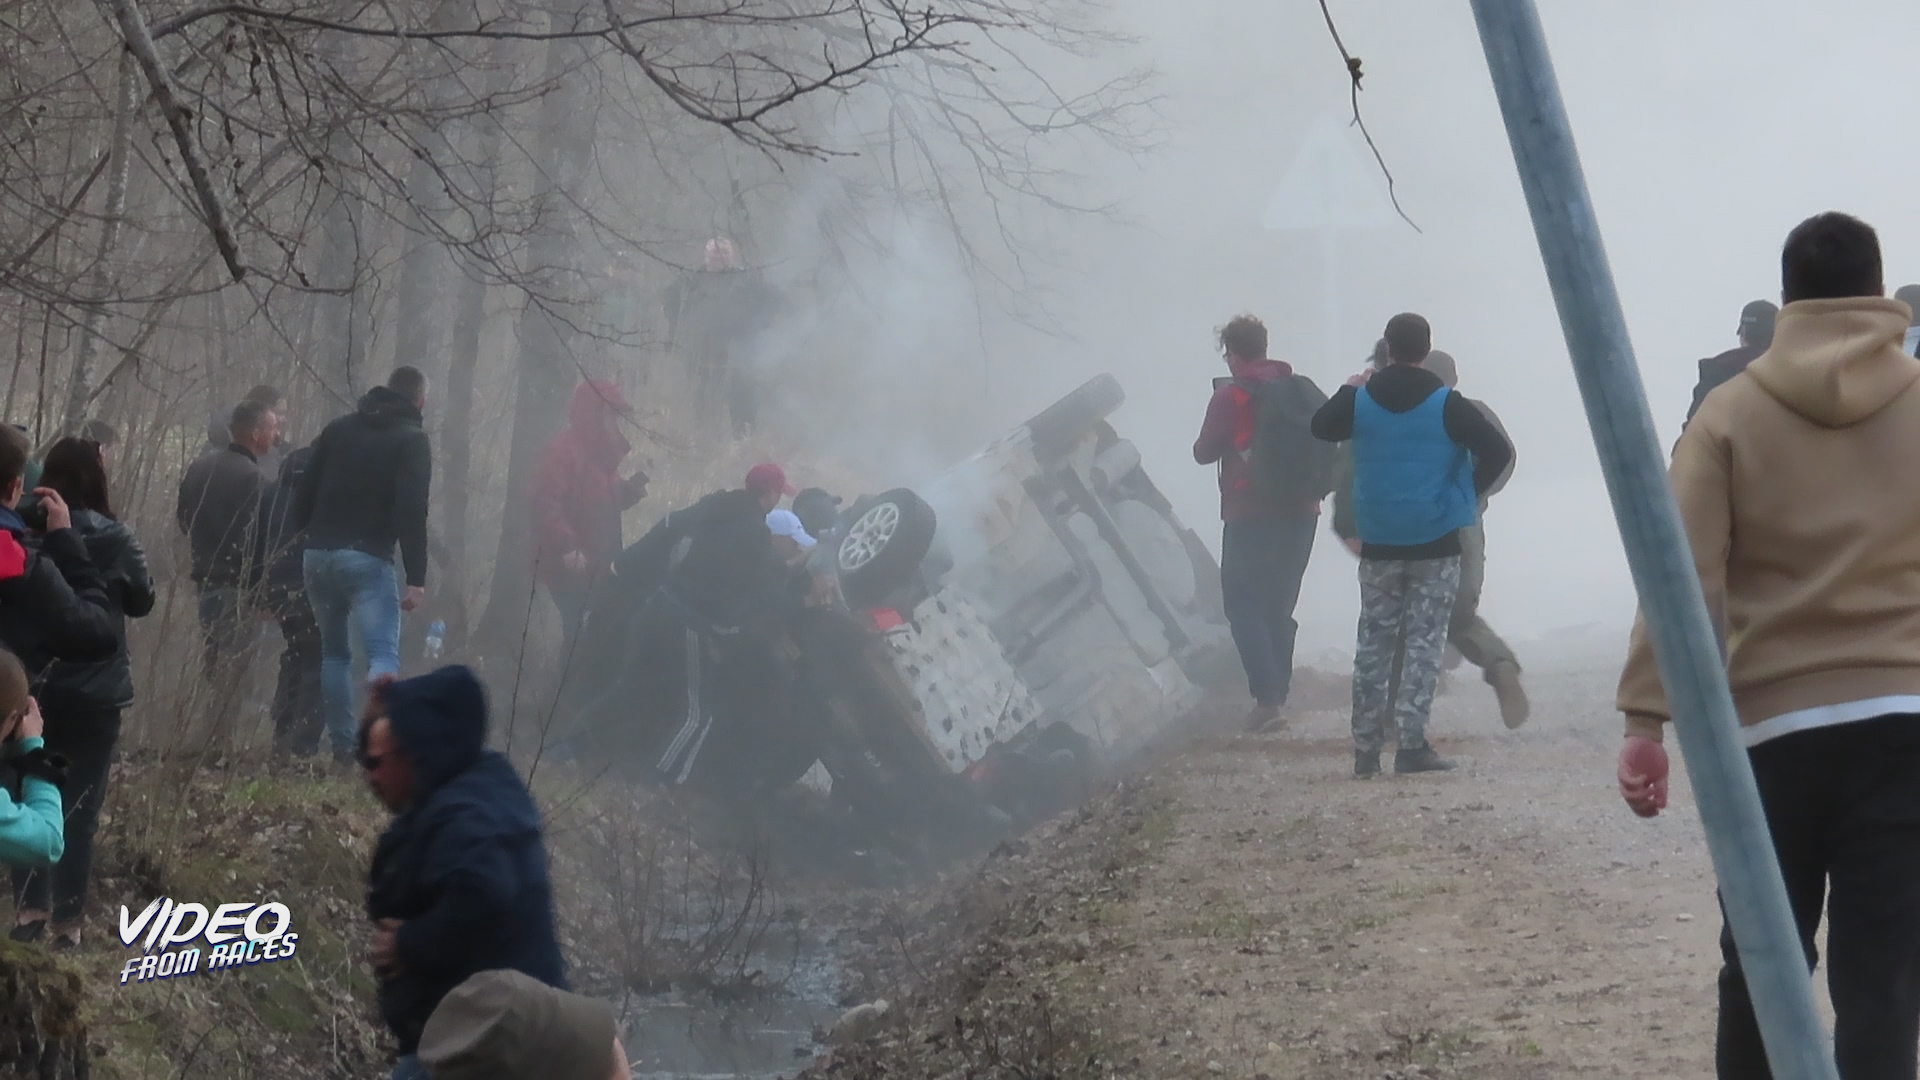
(1799, 483)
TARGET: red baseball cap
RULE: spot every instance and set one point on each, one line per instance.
(767, 478)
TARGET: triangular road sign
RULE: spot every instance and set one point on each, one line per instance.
(1333, 183)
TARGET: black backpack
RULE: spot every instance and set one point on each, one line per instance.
(1287, 465)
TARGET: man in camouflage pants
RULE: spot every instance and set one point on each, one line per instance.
(1423, 456)
(1469, 636)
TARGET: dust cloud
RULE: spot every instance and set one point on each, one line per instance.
(1707, 130)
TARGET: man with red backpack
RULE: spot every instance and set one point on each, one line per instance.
(1273, 475)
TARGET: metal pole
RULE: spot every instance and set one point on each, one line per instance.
(1683, 636)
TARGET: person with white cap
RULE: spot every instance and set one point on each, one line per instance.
(503, 1025)
(790, 538)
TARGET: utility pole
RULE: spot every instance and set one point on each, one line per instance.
(1684, 637)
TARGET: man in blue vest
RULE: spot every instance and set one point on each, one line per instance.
(1423, 456)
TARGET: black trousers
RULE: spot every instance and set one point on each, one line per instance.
(298, 717)
(85, 737)
(1261, 564)
(1843, 805)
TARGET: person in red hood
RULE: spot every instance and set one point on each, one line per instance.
(1264, 545)
(579, 496)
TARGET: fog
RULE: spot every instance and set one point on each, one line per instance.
(1707, 130)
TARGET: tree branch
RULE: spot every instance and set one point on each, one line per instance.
(133, 30)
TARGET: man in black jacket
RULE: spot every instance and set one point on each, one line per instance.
(363, 494)
(297, 716)
(53, 605)
(1756, 335)
(218, 507)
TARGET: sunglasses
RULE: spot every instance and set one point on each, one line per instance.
(371, 762)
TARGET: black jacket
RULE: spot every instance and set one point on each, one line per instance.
(282, 545)
(98, 685)
(1400, 388)
(1715, 370)
(366, 487)
(219, 503)
(464, 867)
(53, 604)
(730, 572)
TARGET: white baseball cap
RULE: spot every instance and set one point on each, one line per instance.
(787, 523)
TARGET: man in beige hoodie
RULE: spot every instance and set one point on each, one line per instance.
(1797, 484)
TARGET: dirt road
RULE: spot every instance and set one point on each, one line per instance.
(1507, 919)
(1264, 914)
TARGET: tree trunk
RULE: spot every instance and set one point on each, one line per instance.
(546, 369)
(423, 267)
(120, 160)
(455, 485)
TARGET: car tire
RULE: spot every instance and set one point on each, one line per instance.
(1061, 424)
(883, 546)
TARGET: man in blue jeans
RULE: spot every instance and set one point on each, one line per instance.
(363, 494)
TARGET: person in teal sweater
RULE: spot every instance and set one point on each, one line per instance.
(30, 811)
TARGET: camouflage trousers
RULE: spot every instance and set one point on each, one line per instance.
(1405, 608)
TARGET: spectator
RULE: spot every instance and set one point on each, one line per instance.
(83, 701)
(1423, 457)
(702, 571)
(106, 437)
(459, 880)
(53, 605)
(578, 498)
(219, 437)
(297, 711)
(32, 473)
(275, 402)
(600, 657)
(502, 1025)
(717, 319)
(1910, 296)
(30, 831)
(1756, 333)
(1272, 478)
(364, 493)
(218, 509)
(1467, 631)
(1792, 484)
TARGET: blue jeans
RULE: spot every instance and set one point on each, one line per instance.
(356, 601)
(408, 1067)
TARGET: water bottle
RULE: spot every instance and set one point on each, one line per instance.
(436, 638)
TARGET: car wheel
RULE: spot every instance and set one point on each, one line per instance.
(1061, 424)
(884, 545)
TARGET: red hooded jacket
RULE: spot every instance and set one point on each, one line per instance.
(578, 495)
(1226, 435)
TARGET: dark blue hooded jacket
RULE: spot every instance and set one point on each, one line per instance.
(463, 867)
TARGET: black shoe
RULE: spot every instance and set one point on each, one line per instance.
(1366, 764)
(1420, 760)
(26, 933)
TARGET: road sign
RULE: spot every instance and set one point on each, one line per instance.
(1333, 183)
